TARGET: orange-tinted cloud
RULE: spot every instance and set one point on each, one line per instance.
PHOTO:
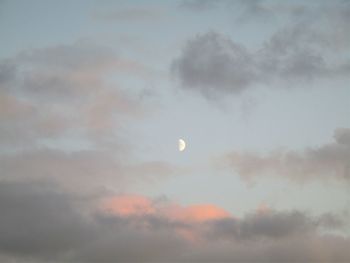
(190, 216)
(135, 205)
(129, 205)
(195, 213)
(263, 208)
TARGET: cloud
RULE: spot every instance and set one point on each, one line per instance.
(304, 50)
(41, 222)
(199, 5)
(212, 63)
(330, 161)
(129, 205)
(83, 170)
(7, 73)
(248, 9)
(131, 14)
(196, 213)
(272, 225)
(51, 92)
(255, 10)
(134, 205)
(63, 116)
(342, 136)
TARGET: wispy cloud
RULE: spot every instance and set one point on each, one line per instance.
(49, 92)
(327, 162)
(140, 14)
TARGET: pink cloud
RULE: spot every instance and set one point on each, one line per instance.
(136, 205)
(190, 216)
(129, 205)
(195, 213)
(263, 208)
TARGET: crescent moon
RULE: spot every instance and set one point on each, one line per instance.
(182, 145)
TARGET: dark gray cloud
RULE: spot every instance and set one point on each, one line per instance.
(330, 221)
(7, 73)
(40, 222)
(304, 50)
(330, 161)
(274, 225)
(342, 136)
(212, 63)
(132, 240)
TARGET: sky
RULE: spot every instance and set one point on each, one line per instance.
(94, 96)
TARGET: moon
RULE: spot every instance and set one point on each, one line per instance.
(182, 145)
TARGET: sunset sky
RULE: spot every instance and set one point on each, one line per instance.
(94, 96)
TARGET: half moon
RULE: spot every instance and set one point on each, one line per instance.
(182, 145)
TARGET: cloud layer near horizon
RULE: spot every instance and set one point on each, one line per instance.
(40, 221)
